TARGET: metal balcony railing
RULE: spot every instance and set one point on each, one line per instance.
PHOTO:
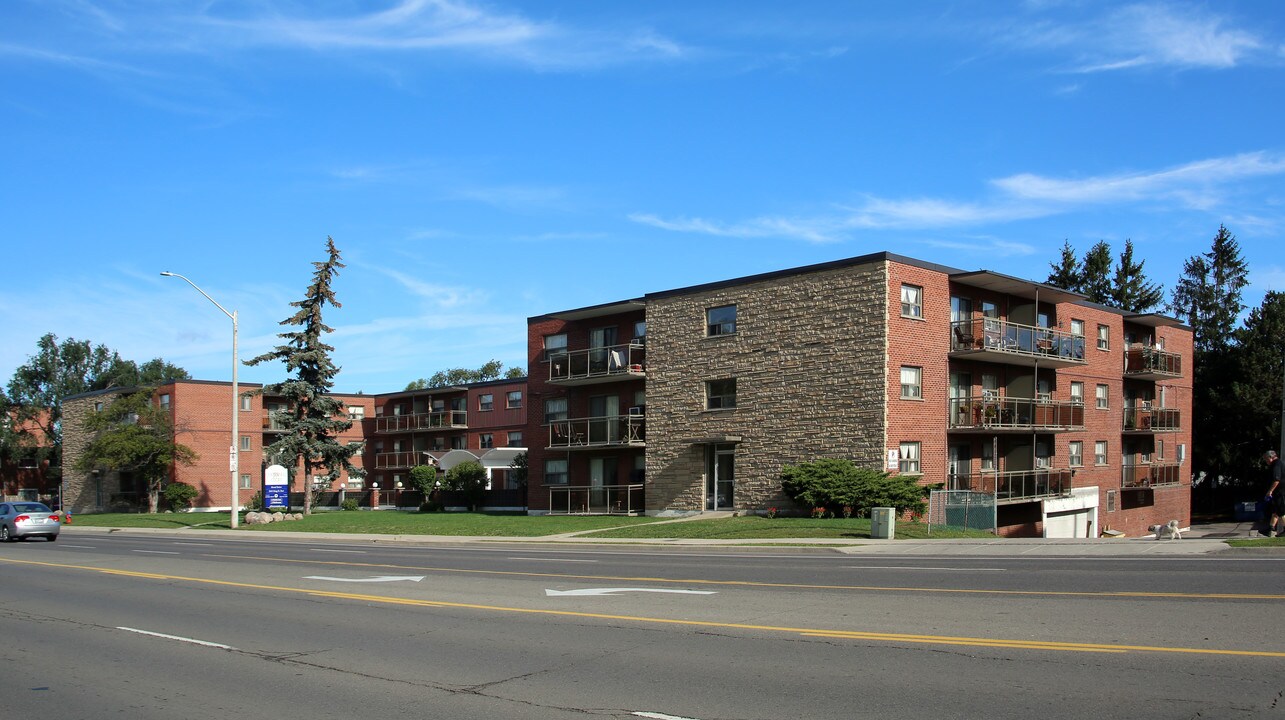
(1003, 341)
(1154, 474)
(437, 420)
(1148, 419)
(598, 364)
(1150, 362)
(1015, 485)
(1006, 413)
(612, 430)
(405, 459)
(596, 500)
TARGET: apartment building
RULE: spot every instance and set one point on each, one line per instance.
(1072, 416)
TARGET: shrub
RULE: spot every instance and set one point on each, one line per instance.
(180, 495)
(348, 504)
(468, 478)
(424, 478)
(832, 484)
(255, 503)
(431, 506)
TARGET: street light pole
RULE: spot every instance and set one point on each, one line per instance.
(234, 456)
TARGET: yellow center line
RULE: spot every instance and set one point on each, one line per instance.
(751, 583)
(802, 632)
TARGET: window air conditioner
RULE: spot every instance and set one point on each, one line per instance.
(637, 410)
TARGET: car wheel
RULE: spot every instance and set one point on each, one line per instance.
(4, 534)
(53, 538)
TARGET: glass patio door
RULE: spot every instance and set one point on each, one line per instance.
(720, 477)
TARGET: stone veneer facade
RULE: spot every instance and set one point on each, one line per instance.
(809, 362)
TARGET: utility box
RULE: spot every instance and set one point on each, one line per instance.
(883, 523)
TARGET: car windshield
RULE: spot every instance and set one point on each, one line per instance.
(30, 507)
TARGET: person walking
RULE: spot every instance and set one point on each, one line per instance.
(1275, 497)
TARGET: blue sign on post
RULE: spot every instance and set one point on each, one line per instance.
(276, 488)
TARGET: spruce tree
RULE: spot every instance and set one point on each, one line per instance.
(1096, 273)
(1131, 291)
(1067, 273)
(1208, 295)
(311, 425)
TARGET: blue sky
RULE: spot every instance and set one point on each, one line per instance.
(481, 162)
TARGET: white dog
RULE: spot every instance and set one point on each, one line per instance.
(1167, 531)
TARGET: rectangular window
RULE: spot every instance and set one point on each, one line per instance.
(720, 320)
(555, 472)
(720, 394)
(1104, 337)
(245, 442)
(912, 301)
(513, 399)
(247, 403)
(555, 345)
(910, 382)
(1101, 394)
(640, 331)
(555, 409)
(515, 438)
(1075, 453)
(1077, 392)
(1077, 328)
(1100, 452)
(98, 407)
(486, 441)
(485, 402)
(28, 463)
(356, 413)
(457, 442)
(245, 481)
(165, 401)
(909, 458)
(1112, 500)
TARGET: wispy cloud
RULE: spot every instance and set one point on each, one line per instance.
(1191, 183)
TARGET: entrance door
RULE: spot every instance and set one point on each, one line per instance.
(720, 477)
(602, 472)
(959, 463)
(604, 420)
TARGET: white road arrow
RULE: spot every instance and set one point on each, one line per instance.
(615, 591)
(381, 578)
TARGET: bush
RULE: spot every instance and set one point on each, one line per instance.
(348, 504)
(833, 484)
(255, 503)
(180, 495)
(470, 479)
(424, 478)
(431, 506)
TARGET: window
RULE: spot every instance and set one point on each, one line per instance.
(485, 402)
(1104, 337)
(247, 403)
(555, 472)
(1077, 392)
(910, 379)
(1112, 496)
(555, 345)
(28, 463)
(98, 407)
(1077, 328)
(165, 401)
(513, 399)
(356, 413)
(457, 442)
(245, 442)
(515, 438)
(555, 409)
(1101, 394)
(720, 394)
(1100, 452)
(640, 331)
(720, 320)
(1075, 453)
(912, 301)
(245, 481)
(486, 441)
(909, 458)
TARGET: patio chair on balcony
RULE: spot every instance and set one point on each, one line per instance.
(964, 340)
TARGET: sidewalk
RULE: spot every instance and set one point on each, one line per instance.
(1201, 539)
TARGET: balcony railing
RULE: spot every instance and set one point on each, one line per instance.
(1002, 341)
(596, 500)
(1148, 419)
(1151, 363)
(394, 460)
(437, 420)
(272, 424)
(1154, 474)
(595, 365)
(1015, 485)
(612, 430)
(991, 413)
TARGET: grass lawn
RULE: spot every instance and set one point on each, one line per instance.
(1257, 542)
(171, 521)
(762, 528)
(383, 522)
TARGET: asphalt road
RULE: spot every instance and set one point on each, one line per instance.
(113, 625)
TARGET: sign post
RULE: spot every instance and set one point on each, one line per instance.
(276, 488)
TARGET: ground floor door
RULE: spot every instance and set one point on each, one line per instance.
(720, 475)
(1070, 524)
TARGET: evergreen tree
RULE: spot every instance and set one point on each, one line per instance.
(1208, 295)
(311, 425)
(1131, 291)
(1252, 418)
(1068, 272)
(1095, 276)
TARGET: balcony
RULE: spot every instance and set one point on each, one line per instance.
(596, 500)
(437, 420)
(1016, 485)
(1146, 419)
(1151, 363)
(598, 432)
(400, 460)
(1155, 474)
(273, 425)
(1000, 341)
(598, 365)
(990, 413)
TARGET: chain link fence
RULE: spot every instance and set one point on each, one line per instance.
(961, 509)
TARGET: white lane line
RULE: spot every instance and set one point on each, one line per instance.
(84, 547)
(196, 544)
(542, 559)
(158, 552)
(913, 567)
(355, 552)
(176, 637)
(660, 716)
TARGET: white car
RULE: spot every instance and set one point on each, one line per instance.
(21, 520)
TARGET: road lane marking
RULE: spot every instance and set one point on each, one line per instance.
(82, 547)
(659, 716)
(157, 552)
(176, 637)
(542, 559)
(354, 552)
(792, 586)
(584, 592)
(913, 567)
(679, 622)
(382, 578)
(196, 544)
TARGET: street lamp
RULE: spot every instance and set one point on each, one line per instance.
(234, 460)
